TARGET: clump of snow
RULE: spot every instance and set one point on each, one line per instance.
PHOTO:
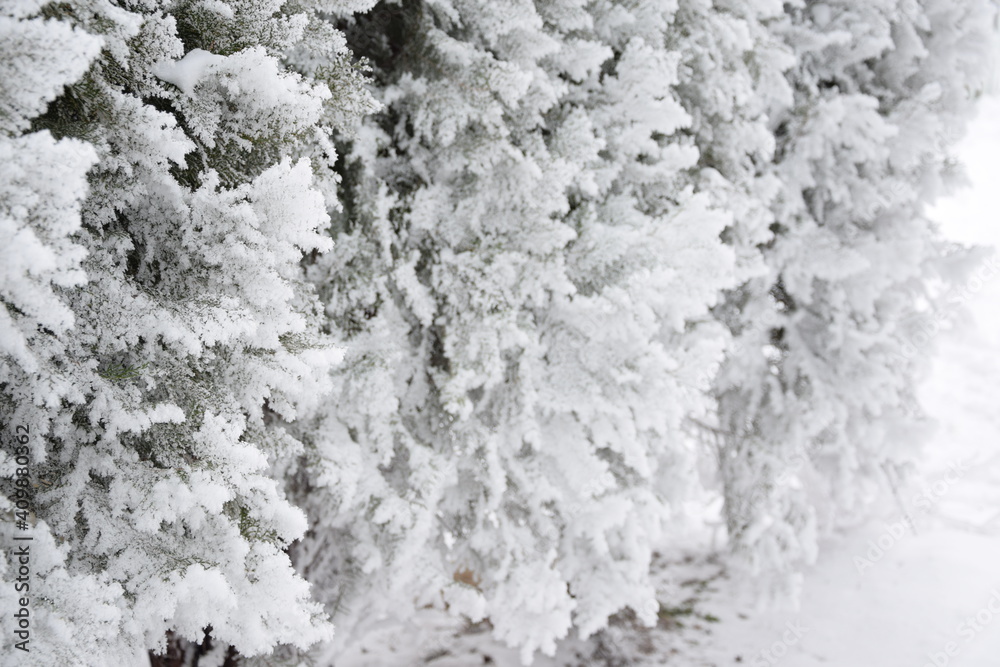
(189, 70)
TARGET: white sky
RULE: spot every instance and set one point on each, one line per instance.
(973, 215)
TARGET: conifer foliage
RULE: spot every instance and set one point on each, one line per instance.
(317, 313)
(522, 281)
(826, 413)
(165, 169)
